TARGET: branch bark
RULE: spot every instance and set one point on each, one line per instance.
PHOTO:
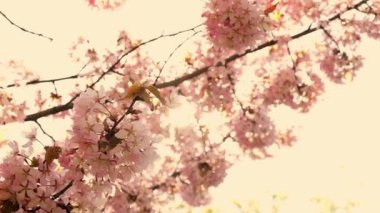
(272, 42)
(50, 111)
(43, 81)
(69, 105)
(23, 29)
(197, 72)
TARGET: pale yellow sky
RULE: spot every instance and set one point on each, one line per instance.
(336, 155)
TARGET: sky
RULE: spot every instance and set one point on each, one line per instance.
(336, 153)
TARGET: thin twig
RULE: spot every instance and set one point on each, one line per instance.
(111, 69)
(129, 110)
(231, 80)
(69, 104)
(172, 53)
(23, 29)
(42, 129)
(328, 34)
(36, 81)
(294, 67)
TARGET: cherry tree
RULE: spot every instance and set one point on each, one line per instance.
(123, 154)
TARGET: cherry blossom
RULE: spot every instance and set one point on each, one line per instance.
(339, 67)
(129, 149)
(236, 24)
(106, 4)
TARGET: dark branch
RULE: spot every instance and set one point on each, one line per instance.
(36, 81)
(50, 111)
(42, 129)
(224, 62)
(69, 105)
(63, 190)
(129, 110)
(23, 29)
(328, 34)
(175, 174)
(202, 70)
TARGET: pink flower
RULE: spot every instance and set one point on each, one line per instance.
(254, 129)
(235, 24)
(31, 137)
(195, 195)
(106, 4)
(340, 67)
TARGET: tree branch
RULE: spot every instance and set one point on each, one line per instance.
(196, 73)
(69, 104)
(63, 190)
(172, 53)
(43, 131)
(36, 81)
(272, 42)
(23, 29)
(50, 111)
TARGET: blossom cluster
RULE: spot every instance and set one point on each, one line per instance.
(339, 67)
(106, 4)
(253, 129)
(297, 91)
(213, 91)
(99, 148)
(9, 111)
(236, 24)
(30, 184)
(201, 173)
